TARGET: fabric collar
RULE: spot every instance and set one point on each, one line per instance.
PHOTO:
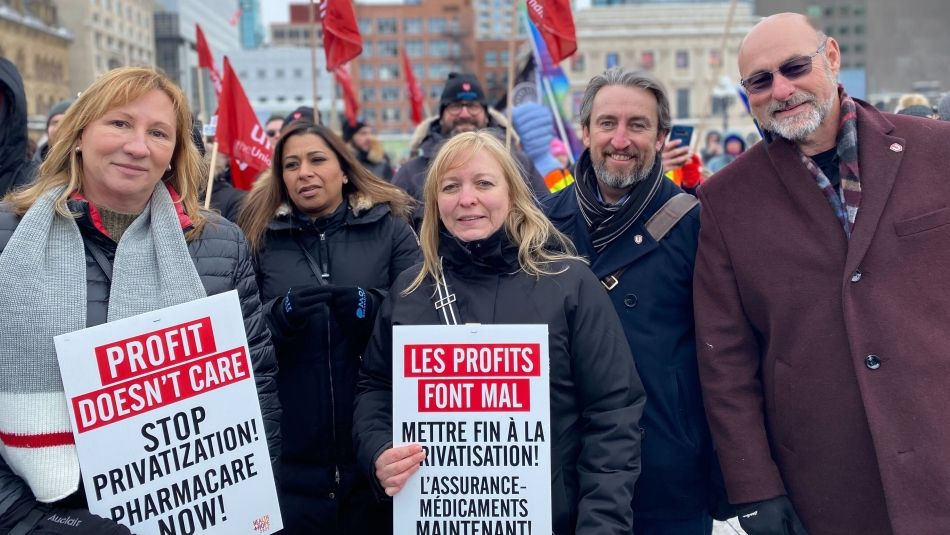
(496, 253)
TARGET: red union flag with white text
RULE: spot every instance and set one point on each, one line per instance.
(239, 133)
(556, 24)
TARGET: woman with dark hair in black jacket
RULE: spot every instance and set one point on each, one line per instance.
(328, 239)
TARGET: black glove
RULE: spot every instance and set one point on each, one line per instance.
(298, 304)
(77, 522)
(770, 517)
(353, 307)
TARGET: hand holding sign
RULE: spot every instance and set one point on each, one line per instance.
(395, 465)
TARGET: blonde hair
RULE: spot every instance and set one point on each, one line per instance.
(118, 87)
(539, 243)
(911, 99)
(269, 191)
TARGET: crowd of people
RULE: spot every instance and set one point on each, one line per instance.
(755, 330)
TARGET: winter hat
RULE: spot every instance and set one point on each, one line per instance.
(303, 113)
(461, 86)
(917, 110)
(58, 109)
(943, 107)
(350, 131)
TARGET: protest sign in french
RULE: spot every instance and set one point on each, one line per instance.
(476, 397)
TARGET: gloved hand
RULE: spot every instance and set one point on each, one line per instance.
(770, 517)
(77, 522)
(354, 309)
(350, 305)
(298, 304)
(535, 127)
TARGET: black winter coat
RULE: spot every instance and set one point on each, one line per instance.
(15, 168)
(367, 247)
(654, 299)
(596, 395)
(223, 262)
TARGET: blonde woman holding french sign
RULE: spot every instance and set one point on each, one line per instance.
(485, 242)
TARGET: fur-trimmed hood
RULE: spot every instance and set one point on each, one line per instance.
(359, 204)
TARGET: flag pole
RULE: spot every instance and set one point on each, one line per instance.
(214, 156)
(509, 132)
(313, 62)
(201, 99)
(549, 92)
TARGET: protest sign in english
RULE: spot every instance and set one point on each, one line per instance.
(476, 397)
(167, 423)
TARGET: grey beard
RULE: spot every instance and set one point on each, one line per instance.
(639, 173)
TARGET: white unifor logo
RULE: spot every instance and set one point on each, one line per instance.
(750, 515)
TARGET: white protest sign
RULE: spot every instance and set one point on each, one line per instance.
(476, 397)
(167, 423)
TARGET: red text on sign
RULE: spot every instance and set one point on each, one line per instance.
(474, 395)
(153, 351)
(472, 360)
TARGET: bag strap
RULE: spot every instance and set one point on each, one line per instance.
(311, 261)
(100, 257)
(446, 300)
(658, 226)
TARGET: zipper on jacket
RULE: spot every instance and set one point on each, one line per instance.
(324, 253)
(336, 467)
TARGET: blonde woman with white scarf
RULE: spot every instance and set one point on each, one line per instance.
(111, 228)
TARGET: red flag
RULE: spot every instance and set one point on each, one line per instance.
(341, 35)
(206, 60)
(556, 24)
(351, 106)
(239, 134)
(412, 89)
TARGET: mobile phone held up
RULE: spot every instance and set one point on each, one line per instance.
(682, 132)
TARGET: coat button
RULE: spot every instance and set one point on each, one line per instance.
(856, 276)
(872, 362)
(332, 496)
(630, 300)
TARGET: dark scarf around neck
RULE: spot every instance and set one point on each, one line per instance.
(606, 223)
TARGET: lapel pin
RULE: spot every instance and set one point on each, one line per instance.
(638, 239)
(897, 147)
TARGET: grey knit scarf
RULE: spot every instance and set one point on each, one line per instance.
(43, 294)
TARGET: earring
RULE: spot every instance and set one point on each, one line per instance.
(169, 168)
(78, 150)
(346, 180)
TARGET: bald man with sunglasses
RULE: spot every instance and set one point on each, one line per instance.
(822, 303)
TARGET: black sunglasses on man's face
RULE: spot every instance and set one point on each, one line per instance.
(791, 69)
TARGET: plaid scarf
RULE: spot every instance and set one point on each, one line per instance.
(846, 201)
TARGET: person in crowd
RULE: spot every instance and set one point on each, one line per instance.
(484, 236)
(712, 147)
(943, 108)
(328, 239)
(302, 113)
(919, 110)
(272, 128)
(620, 188)
(16, 169)
(367, 148)
(110, 229)
(53, 118)
(821, 325)
(463, 107)
(911, 99)
(733, 146)
(225, 198)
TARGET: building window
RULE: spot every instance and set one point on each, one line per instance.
(577, 63)
(613, 59)
(298, 73)
(388, 72)
(715, 57)
(391, 115)
(279, 74)
(366, 72)
(367, 94)
(412, 25)
(439, 48)
(367, 50)
(647, 60)
(503, 61)
(436, 24)
(369, 115)
(387, 48)
(682, 103)
(387, 25)
(418, 70)
(491, 57)
(438, 71)
(682, 59)
(366, 26)
(389, 93)
(414, 49)
(261, 74)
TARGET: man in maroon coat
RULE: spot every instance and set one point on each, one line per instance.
(823, 306)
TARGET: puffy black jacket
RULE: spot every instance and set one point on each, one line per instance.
(361, 244)
(223, 262)
(15, 168)
(596, 395)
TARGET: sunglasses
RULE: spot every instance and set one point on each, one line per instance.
(791, 70)
(271, 133)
